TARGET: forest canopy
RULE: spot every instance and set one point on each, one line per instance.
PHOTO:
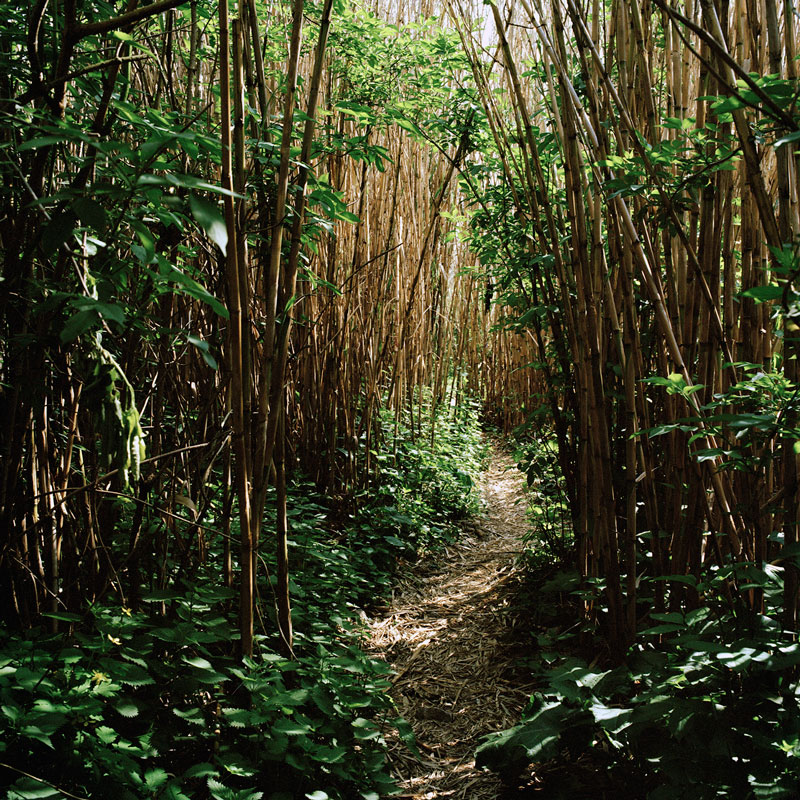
(266, 268)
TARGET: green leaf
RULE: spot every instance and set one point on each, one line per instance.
(763, 294)
(291, 727)
(65, 616)
(43, 141)
(237, 717)
(192, 716)
(110, 311)
(536, 740)
(202, 346)
(197, 661)
(155, 778)
(160, 595)
(236, 765)
(30, 789)
(35, 732)
(146, 251)
(190, 286)
(210, 220)
(57, 232)
(90, 213)
(202, 770)
(127, 708)
(106, 735)
(131, 674)
(790, 137)
(318, 795)
(365, 730)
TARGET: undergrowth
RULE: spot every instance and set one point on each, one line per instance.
(706, 703)
(151, 702)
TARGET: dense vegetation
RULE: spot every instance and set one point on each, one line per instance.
(151, 699)
(257, 263)
(652, 253)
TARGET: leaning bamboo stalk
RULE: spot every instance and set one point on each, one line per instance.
(235, 358)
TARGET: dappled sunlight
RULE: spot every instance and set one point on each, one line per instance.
(449, 635)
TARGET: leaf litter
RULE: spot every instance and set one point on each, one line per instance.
(454, 637)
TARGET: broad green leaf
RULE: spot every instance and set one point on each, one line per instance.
(90, 213)
(155, 778)
(146, 250)
(190, 286)
(35, 732)
(210, 219)
(57, 231)
(291, 727)
(43, 141)
(198, 661)
(790, 137)
(30, 789)
(131, 674)
(237, 765)
(127, 708)
(202, 770)
(763, 294)
(537, 740)
(106, 735)
(237, 717)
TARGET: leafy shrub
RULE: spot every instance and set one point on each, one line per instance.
(152, 703)
(706, 704)
(548, 539)
(428, 477)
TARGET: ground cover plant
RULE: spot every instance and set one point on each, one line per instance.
(244, 242)
(154, 702)
(704, 702)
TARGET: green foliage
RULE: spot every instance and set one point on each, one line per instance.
(152, 705)
(151, 702)
(425, 489)
(706, 703)
(548, 539)
(749, 415)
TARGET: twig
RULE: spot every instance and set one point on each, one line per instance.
(41, 88)
(42, 780)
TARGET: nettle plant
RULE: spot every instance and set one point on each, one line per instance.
(706, 702)
(151, 704)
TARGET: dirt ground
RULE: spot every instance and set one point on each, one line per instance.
(455, 640)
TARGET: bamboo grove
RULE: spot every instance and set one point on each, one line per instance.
(235, 235)
(650, 190)
(229, 242)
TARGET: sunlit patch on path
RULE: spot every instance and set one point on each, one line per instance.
(450, 636)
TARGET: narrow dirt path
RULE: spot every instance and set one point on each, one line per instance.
(450, 636)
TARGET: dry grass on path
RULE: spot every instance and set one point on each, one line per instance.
(450, 636)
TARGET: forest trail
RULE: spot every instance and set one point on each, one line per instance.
(450, 635)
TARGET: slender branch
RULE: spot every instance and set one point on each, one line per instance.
(42, 780)
(42, 88)
(34, 32)
(79, 32)
(721, 51)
